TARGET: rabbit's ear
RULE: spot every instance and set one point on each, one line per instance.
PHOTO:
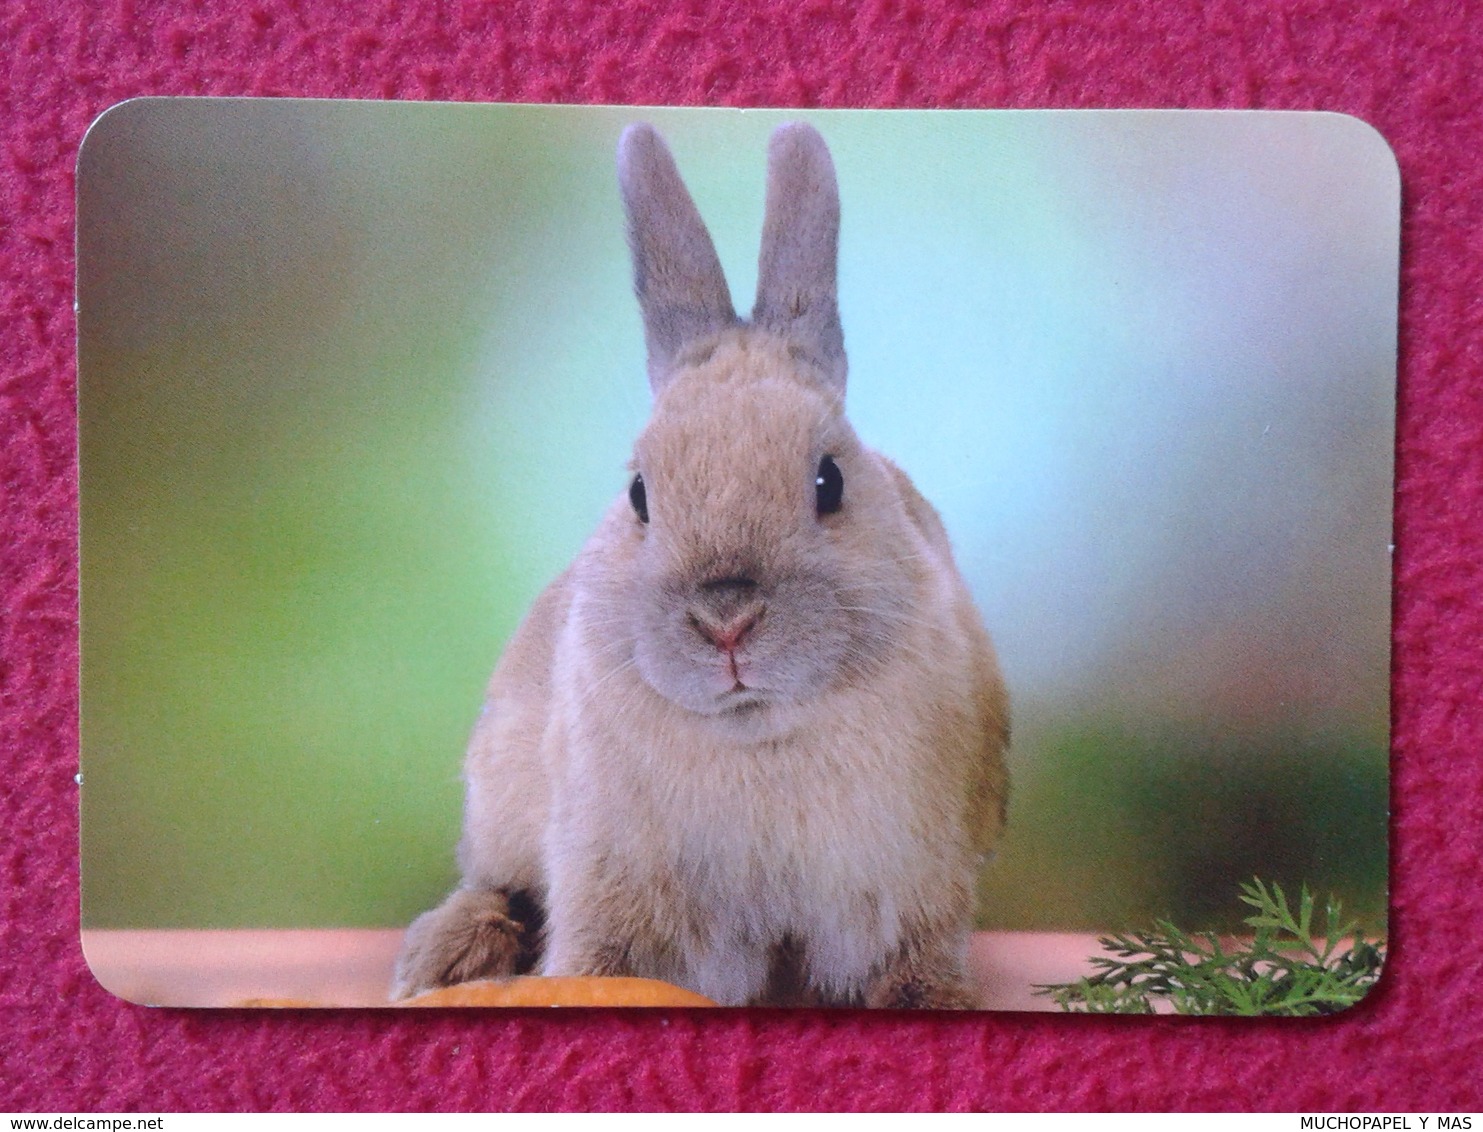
(797, 290)
(676, 274)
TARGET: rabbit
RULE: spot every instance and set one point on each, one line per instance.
(752, 741)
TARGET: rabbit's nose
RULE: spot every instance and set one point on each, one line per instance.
(727, 635)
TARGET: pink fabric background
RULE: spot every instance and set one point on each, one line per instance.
(1410, 68)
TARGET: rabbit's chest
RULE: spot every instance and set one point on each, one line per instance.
(795, 847)
(809, 865)
(824, 844)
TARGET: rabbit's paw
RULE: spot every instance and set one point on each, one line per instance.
(471, 935)
(917, 994)
(922, 983)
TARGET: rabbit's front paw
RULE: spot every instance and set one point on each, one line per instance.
(922, 994)
(471, 935)
(922, 980)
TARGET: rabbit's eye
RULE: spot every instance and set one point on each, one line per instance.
(828, 487)
(639, 500)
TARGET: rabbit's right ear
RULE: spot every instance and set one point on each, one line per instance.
(677, 275)
(798, 270)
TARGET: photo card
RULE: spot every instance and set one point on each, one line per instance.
(925, 559)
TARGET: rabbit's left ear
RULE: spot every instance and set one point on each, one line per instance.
(676, 274)
(797, 272)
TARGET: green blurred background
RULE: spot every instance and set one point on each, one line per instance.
(357, 379)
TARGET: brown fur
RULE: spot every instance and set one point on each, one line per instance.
(796, 818)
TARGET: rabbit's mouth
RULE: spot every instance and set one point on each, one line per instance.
(752, 651)
(732, 695)
(740, 697)
(742, 701)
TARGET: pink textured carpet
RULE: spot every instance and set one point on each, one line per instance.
(1410, 68)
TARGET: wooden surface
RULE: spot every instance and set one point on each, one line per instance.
(304, 968)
